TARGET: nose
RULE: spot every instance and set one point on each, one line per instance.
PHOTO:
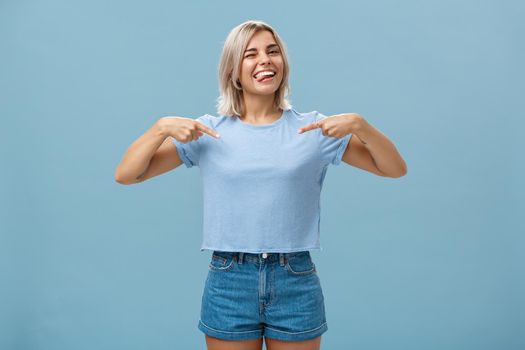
(264, 59)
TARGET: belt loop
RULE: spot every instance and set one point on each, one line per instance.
(241, 255)
(281, 259)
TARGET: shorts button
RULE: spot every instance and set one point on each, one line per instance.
(264, 255)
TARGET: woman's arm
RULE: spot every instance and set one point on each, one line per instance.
(382, 151)
(154, 153)
(139, 154)
(373, 152)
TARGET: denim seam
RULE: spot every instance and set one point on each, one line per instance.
(307, 272)
(301, 273)
(224, 260)
(216, 330)
(311, 330)
(222, 268)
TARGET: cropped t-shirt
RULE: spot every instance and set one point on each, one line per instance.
(261, 184)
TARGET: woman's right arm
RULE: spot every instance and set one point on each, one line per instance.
(154, 152)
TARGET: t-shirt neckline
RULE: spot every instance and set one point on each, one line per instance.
(263, 126)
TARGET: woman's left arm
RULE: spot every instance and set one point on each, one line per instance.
(382, 151)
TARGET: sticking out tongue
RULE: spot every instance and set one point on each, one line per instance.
(264, 77)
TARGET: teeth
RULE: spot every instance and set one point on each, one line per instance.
(264, 73)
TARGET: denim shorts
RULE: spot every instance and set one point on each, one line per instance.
(276, 295)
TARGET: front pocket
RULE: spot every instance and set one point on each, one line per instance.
(300, 264)
(221, 263)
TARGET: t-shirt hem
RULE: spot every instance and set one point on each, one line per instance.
(182, 153)
(341, 149)
(257, 251)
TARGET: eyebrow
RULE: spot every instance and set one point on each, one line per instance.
(254, 49)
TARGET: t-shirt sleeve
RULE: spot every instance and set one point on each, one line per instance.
(331, 148)
(189, 152)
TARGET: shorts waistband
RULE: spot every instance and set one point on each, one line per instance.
(240, 257)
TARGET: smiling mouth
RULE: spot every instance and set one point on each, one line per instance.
(265, 79)
(265, 76)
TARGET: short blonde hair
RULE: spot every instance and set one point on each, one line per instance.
(230, 102)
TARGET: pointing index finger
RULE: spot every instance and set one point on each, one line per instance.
(207, 130)
(309, 127)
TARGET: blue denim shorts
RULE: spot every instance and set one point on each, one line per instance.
(276, 295)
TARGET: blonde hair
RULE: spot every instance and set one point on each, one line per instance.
(230, 102)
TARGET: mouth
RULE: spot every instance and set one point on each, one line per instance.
(266, 76)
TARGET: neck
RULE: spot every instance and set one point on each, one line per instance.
(260, 109)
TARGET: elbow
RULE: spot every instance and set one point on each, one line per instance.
(402, 169)
(120, 181)
(405, 169)
(402, 173)
(123, 180)
(399, 175)
(126, 182)
(118, 178)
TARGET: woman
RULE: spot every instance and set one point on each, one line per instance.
(262, 165)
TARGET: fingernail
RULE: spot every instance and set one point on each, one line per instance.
(217, 135)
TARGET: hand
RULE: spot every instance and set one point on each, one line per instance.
(185, 129)
(337, 125)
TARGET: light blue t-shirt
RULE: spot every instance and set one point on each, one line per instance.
(262, 183)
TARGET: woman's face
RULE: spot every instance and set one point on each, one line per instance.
(262, 53)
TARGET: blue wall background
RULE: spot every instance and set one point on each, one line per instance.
(433, 260)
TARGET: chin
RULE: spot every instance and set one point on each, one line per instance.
(265, 91)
